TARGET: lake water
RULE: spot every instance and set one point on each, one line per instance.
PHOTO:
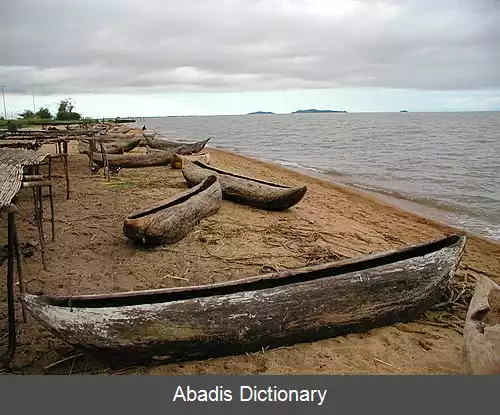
(443, 165)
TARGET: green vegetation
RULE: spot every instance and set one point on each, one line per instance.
(27, 114)
(44, 114)
(65, 111)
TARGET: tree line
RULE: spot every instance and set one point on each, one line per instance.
(65, 112)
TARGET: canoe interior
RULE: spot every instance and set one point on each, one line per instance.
(256, 283)
(204, 166)
(205, 185)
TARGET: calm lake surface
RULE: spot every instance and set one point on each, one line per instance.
(442, 165)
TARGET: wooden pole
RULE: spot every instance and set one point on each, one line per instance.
(32, 177)
(66, 170)
(40, 199)
(40, 229)
(19, 260)
(36, 184)
(7, 357)
(104, 160)
(52, 218)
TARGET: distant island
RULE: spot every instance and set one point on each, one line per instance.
(315, 111)
(403, 111)
(260, 113)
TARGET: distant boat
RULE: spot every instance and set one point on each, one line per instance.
(261, 113)
(315, 111)
(403, 111)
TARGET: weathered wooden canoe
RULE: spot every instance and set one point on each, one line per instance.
(481, 347)
(170, 220)
(245, 190)
(115, 147)
(134, 160)
(245, 315)
(183, 148)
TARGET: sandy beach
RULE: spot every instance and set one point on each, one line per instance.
(332, 222)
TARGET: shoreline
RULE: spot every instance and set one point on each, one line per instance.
(433, 213)
(383, 200)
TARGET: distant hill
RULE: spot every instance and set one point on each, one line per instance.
(315, 111)
(403, 111)
(260, 113)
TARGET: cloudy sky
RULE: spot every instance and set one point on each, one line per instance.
(165, 57)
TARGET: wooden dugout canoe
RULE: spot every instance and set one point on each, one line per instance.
(246, 315)
(182, 148)
(170, 220)
(134, 160)
(115, 147)
(245, 190)
(481, 347)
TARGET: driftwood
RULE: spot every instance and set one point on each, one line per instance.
(171, 220)
(246, 315)
(115, 147)
(176, 161)
(181, 148)
(133, 160)
(481, 348)
(245, 190)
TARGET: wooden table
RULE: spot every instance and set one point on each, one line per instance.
(27, 144)
(12, 163)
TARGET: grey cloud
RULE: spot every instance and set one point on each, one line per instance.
(99, 46)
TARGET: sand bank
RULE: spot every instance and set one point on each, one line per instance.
(91, 255)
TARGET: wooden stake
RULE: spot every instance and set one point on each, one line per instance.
(52, 218)
(104, 160)
(7, 357)
(40, 201)
(40, 228)
(66, 170)
(19, 260)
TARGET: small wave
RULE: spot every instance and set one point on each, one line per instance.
(296, 165)
(422, 200)
(329, 172)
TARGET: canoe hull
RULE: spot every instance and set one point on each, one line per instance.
(180, 148)
(167, 222)
(134, 160)
(481, 347)
(244, 190)
(256, 313)
(117, 147)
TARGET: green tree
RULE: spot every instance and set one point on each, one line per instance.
(44, 113)
(27, 114)
(65, 110)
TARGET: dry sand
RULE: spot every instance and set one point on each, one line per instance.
(91, 255)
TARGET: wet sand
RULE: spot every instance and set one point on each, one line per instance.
(91, 255)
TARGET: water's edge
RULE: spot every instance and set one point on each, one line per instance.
(386, 199)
